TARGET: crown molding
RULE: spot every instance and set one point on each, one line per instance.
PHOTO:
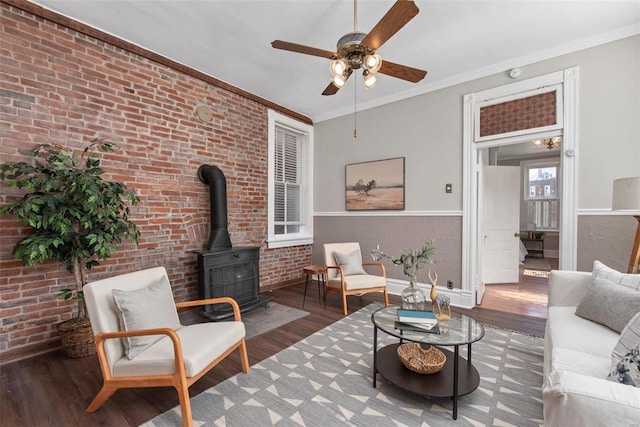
(499, 67)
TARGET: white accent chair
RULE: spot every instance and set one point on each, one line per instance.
(352, 284)
(178, 359)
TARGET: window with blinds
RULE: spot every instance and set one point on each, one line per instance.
(290, 216)
(289, 184)
(541, 196)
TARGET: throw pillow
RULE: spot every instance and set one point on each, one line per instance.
(629, 338)
(351, 263)
(609, 304)
(629, 280)
(146, 308)
(627, 371)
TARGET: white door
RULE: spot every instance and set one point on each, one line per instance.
(499, 225)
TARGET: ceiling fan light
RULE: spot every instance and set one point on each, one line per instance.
(338, 81)
(370, 79)
(338, 67)
(549, 143)
(373, 62)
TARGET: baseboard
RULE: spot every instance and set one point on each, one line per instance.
(458, 297)
(29, 351)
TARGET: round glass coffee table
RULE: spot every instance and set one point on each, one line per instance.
(458, 376)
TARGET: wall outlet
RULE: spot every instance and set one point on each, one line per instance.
(449, 284)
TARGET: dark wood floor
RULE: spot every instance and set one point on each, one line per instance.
(52, 390)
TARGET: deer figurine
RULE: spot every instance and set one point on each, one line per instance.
(443, 302)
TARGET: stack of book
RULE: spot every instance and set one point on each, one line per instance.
(417, 321)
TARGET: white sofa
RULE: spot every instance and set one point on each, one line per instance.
(577, 360)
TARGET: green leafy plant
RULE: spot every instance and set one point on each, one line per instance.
(411, 260)
(77, 217)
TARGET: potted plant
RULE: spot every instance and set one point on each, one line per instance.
(77, 219)
(412, 260)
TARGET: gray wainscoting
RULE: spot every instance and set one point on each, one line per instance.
(606, 238)
(393, 234)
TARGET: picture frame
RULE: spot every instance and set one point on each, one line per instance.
(375, 185)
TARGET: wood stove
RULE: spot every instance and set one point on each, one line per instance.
(225, 271)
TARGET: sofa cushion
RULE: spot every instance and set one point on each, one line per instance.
(566, 330)
(359, 281)
(629, 280)
(592, 365)
(158, 358)
(351, 263)
(627, 371)
(609, 304)
(146, 308)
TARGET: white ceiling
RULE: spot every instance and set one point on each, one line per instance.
(453, 40)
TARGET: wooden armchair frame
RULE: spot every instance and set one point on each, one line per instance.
(343, 289)
(178, 380)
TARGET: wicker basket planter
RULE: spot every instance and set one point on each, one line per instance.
(419, 360)
(77, 337)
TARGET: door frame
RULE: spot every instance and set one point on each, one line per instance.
(569, 81)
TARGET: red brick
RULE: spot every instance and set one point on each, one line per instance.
(80, 87)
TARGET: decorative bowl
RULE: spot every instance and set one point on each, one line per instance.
(419, 360)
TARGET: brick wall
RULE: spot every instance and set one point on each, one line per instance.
(58, 85)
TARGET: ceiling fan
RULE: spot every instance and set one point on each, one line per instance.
(357, 50)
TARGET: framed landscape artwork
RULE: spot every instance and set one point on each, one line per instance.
(376, 185)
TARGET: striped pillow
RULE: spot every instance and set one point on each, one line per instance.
(629, 338)
(629, 280)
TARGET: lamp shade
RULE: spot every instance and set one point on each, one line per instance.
(338, 81)
(626, 194)
(373, 62)
(370, 80)
(338, 67)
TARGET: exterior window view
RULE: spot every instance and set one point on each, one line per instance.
(542, 201)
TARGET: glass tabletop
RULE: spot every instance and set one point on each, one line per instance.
(455, 331)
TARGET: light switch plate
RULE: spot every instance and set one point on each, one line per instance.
(448, 188)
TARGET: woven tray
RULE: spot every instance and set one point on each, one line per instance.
(419, 360)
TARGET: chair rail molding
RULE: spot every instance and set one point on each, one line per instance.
(388, 213)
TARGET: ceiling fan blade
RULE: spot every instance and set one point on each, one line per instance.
(332, 89)
(403, 72)
(307, 50)
(400, 13)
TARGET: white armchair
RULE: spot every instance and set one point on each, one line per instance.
(346, 275)
(152, 349)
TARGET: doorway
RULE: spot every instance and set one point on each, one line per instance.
(566, 84)
(537, 201)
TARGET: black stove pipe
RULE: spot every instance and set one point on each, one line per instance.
(212, 175)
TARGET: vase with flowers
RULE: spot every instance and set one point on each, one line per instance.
(411, 260)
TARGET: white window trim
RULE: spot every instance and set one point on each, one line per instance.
(525, 165)
(305, 237)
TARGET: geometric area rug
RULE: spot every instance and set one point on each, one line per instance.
(325, 380)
